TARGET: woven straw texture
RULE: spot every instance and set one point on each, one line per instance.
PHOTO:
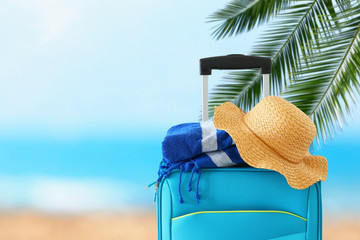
(274, 135)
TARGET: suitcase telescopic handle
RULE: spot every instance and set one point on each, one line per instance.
(235, 62)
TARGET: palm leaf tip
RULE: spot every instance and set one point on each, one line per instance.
(243, 15)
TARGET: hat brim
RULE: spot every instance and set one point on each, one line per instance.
(256, 153)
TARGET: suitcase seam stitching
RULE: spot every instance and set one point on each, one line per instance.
(171, 207)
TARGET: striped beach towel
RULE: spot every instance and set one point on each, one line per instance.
(189, 140)
(192, 146)
(227, 157)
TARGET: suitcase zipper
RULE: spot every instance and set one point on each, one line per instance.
(156, 188)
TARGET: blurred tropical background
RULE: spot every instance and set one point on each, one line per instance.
(89, 89)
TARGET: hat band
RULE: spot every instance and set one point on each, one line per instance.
(276, 152)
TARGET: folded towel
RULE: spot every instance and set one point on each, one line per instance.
(221, 158)
(192, 146)
(187, 140)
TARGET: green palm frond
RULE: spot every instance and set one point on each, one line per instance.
(284, 43)
(244, 15)
(315, 49)
(329, 86)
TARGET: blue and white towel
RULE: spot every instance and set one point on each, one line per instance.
(192, 146)
(227, 157)
(187, 140)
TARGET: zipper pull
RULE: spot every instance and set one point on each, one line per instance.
(151, 184)
(156, 188)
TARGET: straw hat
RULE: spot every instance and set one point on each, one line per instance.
(274, 135)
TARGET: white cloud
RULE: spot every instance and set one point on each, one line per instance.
(341, 198)
(54, 16)
(66, 195)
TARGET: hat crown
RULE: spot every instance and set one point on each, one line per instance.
(281, 126)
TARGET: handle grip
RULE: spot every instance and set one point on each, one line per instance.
(235, 61)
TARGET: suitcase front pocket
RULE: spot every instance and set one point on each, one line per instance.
(240, 224)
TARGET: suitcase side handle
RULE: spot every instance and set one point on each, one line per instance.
(235, 61)
(232, 61)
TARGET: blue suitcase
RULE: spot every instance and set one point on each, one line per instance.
(239, 202)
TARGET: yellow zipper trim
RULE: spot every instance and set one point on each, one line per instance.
(240, 211)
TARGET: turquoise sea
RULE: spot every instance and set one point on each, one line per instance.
(110, 173)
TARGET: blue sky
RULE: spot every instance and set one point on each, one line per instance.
(86, 84)
(70, 67)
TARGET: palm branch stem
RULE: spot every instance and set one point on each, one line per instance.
(293, 32)
(337, 71)
(249, 86)
(253, 3)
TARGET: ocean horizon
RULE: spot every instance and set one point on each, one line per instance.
(110, 174)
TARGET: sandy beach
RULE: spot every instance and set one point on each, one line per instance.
(36, 226)
(344, 228)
